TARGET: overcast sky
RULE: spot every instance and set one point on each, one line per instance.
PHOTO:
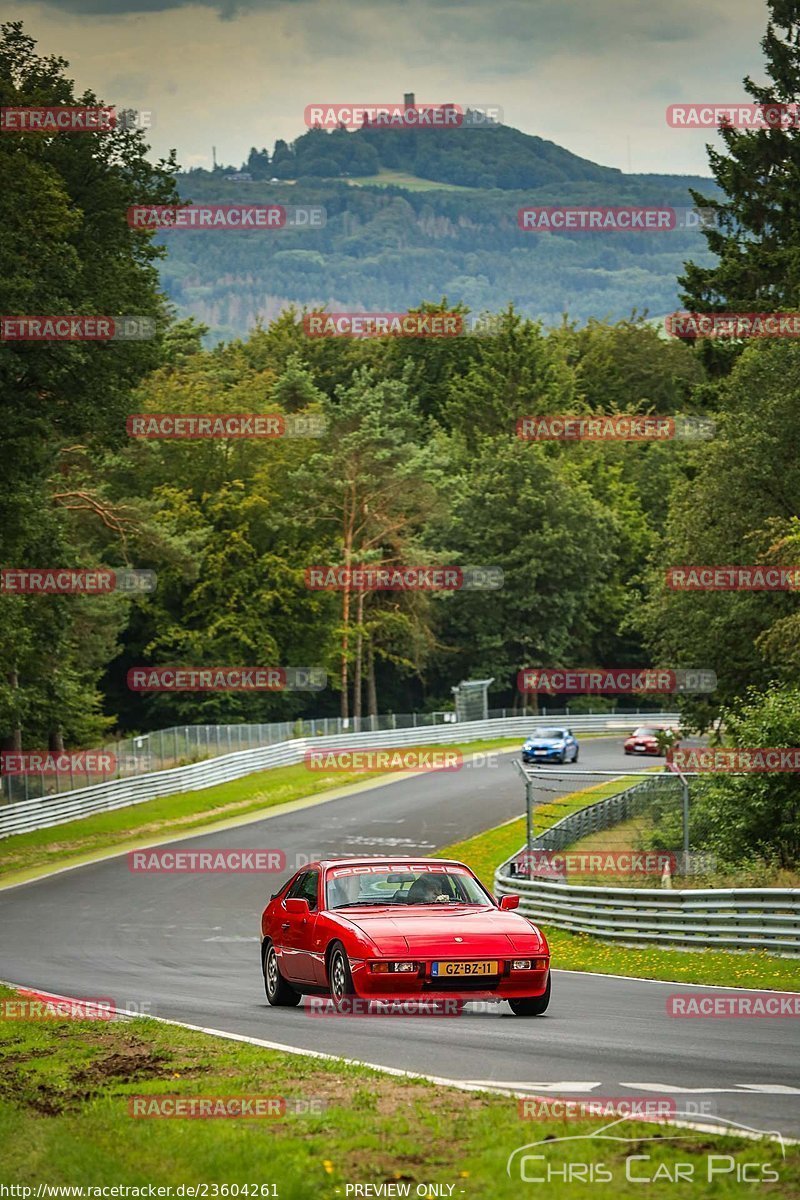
(593, 75)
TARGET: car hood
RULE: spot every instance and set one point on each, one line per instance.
(427, 932)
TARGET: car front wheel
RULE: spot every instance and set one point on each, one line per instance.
(279, 993)
(340, 977)
(531, 1006)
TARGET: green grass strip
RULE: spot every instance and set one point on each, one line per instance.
(66, 1087)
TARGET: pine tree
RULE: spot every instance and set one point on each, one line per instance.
(756, 233)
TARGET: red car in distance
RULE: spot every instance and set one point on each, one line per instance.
(644, 740)
(400, 929)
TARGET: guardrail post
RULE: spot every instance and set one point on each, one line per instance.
(685, 789)
(529, 822)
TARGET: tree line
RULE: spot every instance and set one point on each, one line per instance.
(420, 463)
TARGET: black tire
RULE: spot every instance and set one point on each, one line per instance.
(340, 978)
(563, 758)
(280, 994)
(532, 1006)
(577, 752)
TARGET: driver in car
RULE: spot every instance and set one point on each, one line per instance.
(427, 889)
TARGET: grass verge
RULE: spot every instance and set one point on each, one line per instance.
(582, 952)
(66, 1087)
(413, 183)
(633, 835)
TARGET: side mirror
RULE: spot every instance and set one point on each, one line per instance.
(298, 906)
(509, 901)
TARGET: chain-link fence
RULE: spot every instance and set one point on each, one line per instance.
(637, 835)
(182, 744)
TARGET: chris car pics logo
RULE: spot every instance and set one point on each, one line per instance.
(618, 1153)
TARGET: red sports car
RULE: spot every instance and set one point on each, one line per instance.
(644, 740)
(400, 929)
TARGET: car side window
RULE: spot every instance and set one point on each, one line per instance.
(308, 890)
(297, 887)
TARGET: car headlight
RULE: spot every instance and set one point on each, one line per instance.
(392, 968)
(559, 745)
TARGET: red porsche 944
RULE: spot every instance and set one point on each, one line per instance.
(400, 929)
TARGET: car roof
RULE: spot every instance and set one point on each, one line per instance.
(380, 861)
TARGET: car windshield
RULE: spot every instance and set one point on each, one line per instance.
(646, 731)
(548, 734)
(349, 887)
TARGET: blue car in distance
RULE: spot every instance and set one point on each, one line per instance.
(551, 745)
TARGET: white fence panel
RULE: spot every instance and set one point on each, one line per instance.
(45, 811)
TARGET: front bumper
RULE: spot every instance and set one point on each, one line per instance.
(422, 985)
(545, 756)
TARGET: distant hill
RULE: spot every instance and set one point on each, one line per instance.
(495, 157)
(447, 232)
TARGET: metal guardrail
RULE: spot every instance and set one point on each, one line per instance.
(691, 918)
(179, 745)
(45, 811)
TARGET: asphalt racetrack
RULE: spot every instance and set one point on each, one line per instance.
(186, 947)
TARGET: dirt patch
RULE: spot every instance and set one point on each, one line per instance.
(125, 1059)
(128, 1066)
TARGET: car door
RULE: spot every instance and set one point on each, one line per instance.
(297, 929)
